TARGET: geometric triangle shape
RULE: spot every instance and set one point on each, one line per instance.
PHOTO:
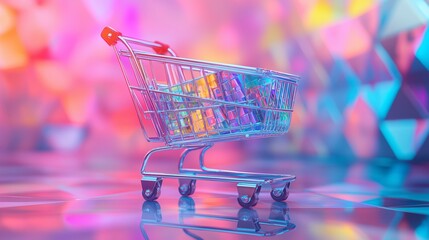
(422, 52)
(383, 147)
(417, 81)
(343, 97)
(402, 46)
(344, 85)
(358, 7)
(423, 153)
(417, 73)
(405, 136)
(303, 64)
(332, 112)
(404, 15)
(417, 69)
(321, 13)
(380, 96)
(361, 134)
(421, 130)
(370, 68)
(371, 19)
(388, 60)
(340, 39)
(342, 75)
(421, 95)
(404, 107)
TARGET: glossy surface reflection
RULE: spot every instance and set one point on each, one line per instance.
(245, 221)
(42, 197)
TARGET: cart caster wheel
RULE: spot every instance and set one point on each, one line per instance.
(187, 187)
(280, 194)
(247, 201)
(151, 189)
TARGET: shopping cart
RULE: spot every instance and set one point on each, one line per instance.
(191, 104)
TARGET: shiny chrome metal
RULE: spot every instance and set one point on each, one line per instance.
(151, 90)
(151, 187)
(247, 191)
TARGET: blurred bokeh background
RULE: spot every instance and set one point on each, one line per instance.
(364, 65)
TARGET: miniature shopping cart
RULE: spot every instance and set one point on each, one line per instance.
(190, 104)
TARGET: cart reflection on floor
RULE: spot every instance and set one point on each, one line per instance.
(246, 222)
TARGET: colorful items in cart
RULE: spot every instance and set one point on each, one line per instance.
(260, 89)
(233, 91)
(206, 117)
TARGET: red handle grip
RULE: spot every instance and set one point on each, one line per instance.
(162, 49)
(110, 35)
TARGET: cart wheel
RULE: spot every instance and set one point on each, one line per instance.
(151, 189)
(187, 187)
(280, 195)
(247, 202)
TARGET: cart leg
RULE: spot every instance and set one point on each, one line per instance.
(201, 158)
(248, 194)
(149, 154)
(151, 188)
(202, 154)
(187, 186)
(185, 154)
(280, 192)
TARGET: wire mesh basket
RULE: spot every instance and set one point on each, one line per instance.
(192, 104)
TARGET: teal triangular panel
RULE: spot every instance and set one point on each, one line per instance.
(405, 15)
(422, 52)
(404, 107)
(380, 96)
(405, 136)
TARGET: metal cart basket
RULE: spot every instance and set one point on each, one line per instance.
(191, 104)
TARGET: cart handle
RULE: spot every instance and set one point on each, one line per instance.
(111, 36)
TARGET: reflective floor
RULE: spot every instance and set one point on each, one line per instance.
(45, 196)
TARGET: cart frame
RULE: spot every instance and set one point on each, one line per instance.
(146, 99)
